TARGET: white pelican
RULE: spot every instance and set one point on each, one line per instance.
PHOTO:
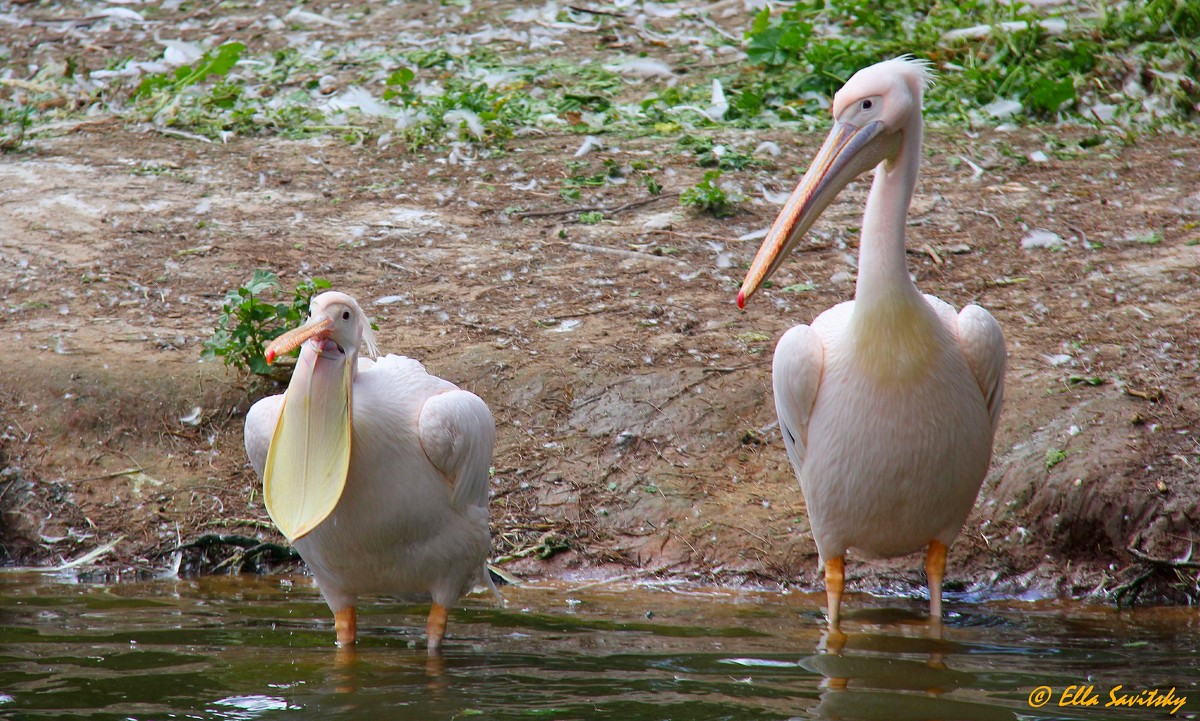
(888, 403)
(376, 471)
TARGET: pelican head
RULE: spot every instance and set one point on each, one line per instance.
(332, 318)
(872, 113)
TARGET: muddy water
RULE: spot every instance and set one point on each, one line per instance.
(242, 648)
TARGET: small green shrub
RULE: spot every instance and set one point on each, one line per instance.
(710, 197)
(215, 62)
(248, 321)
(1054, 456)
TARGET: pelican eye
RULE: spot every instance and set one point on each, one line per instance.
(866, 104)
(345, 315)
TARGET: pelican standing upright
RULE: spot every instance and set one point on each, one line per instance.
(375, 470)
(888, 403)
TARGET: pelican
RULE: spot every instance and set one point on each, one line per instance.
(888, 403)
(374, 470)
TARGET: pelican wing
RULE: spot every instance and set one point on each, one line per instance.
(796, 374)
(260, 427)
(457, 435)
(982, 343)
(309, 457)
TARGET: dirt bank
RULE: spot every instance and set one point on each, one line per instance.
(636, 431)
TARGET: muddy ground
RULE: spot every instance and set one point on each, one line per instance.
(636, 429)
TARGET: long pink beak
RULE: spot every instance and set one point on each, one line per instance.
(848, 151)
(316, 327)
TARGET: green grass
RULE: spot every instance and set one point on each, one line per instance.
(1135, 61)
(1046, 73)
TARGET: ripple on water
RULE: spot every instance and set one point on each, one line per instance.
(239, 648)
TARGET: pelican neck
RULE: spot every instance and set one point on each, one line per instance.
(882, 267)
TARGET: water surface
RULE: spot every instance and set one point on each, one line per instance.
(245, 647)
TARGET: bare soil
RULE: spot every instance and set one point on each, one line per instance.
(636, 429)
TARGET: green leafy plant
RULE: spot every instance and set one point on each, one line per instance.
(581, 177)
(1047, 60)
(166, 89)
(248, 320)
(218, 61)
(464, 110)
(11, 140)
(1122, 66)
(799, 288)
(710, 154)
(710, 197)
(1054, 456)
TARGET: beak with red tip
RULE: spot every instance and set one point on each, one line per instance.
(847, 152)
(317, 327)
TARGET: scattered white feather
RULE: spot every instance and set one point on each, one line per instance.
(567, 326)
(1039, 238)
(590, 143)
(305, 17)
(406, 118)
(643, 68)
(122, 14)
(659, 221)
(715, 112)
(719, 105)
(658, 10)
(976, 170)
(546, 13)
(774, 197)
(500, 78)
(1103, 112)
(768, 147)
(1051, 26)
(724, 259)
(180, 52)
(1002, 108)
(462, 116)
(460, 154)
(356, 98)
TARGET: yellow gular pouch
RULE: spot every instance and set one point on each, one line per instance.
(309, 457)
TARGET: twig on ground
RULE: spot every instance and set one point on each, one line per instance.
(1165, 562)
(623, 253)
(587, 11)
(607, 210)
(180, 134)
(1132, 589)
(114, 474)
(986, 214)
